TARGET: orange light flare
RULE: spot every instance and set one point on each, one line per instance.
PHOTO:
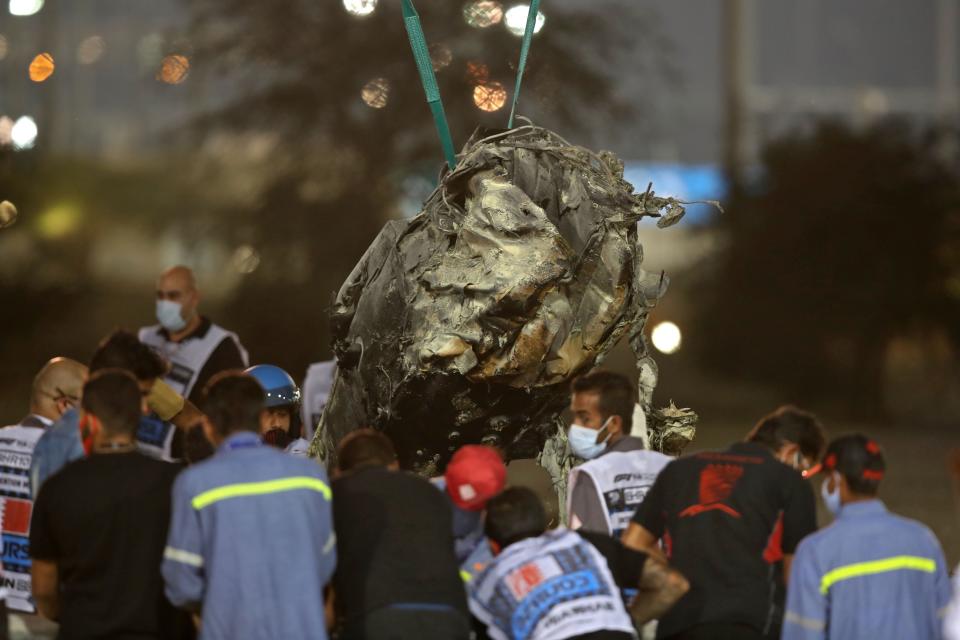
(174, 69)
(41, 67)
(477, 73)
(490, 97)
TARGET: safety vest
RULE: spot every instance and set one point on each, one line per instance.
(622, 480)
(316, 389)
(548, 588)
(16, 507)
(188, 357)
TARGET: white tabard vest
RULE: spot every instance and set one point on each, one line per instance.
(316, 390)
(16, 452)
(622, 480)
(188, 357)
(548, 588)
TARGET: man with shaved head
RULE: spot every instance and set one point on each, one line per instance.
(196, 348)
(56, 389)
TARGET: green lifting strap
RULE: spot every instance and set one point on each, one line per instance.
(532, 14)
(420, 53)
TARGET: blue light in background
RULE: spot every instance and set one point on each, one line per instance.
(681, 181)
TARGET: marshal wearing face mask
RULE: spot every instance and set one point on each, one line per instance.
(196, 348)
(607, 488)
(871, 573)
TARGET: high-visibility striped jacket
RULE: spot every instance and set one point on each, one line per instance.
(871, 574)
(251, 543)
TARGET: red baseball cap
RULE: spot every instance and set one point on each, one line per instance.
(475, 474)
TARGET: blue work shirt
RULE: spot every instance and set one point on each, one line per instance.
(871, 574)
(251, 543)
(58, 445)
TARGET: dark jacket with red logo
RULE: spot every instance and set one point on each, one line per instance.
(720, 515)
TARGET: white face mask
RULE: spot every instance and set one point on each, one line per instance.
(583, 441)
(168, 315)
(831, 499)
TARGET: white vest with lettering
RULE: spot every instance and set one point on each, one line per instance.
(622, 480)
(188, 357)
(548, 588)
(16, 507)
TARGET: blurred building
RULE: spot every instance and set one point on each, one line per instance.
(105, 97)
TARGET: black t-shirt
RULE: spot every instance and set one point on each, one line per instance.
(394, 544)
(720, 516)
(103, 520)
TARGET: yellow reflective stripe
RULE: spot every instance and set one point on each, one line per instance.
(896, 563)
(465, 575)
(242, 489)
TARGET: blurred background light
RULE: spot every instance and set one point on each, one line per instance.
(8, 214)
(666, 337)
(41, 67)
(174, 69)
(376, 93)
(59, 221)
(490, 97)
(24, 132)
(25, 7)
(483, 13)
(515, 19)
(6, 131)
(440, 56)
(477, 73)
(360, 8)
(245, 259)
(3, 47)
(91, 49)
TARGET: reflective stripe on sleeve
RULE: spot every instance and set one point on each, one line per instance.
(331, 543)
(896, 563)
(186, 557)
(265, 487)
(465, 575)
(806, 623)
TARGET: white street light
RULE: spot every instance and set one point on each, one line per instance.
(360, 8)
(24, 133)
(515, 19)
(666, 337)
(25, 7)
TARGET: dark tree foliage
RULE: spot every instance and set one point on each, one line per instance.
(296, 70)
(850, 238)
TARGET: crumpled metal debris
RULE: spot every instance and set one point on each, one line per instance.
(467, 322)
(672, 429)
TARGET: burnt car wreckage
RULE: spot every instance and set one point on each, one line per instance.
(466, 323)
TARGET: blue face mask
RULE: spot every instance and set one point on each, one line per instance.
(831, 500)
(168, 315)
(583, 441)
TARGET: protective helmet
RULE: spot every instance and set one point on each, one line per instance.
(281, 391)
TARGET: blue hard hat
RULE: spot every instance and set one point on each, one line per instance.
(280, 388)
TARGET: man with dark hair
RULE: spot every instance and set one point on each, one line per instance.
(251, 543)
(605, 491)
(397, 576)
(63, 442)
(99, 527)
(725, 518)
(870, 574)
(563, 584)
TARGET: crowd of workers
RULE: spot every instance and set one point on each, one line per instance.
(164, 491)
